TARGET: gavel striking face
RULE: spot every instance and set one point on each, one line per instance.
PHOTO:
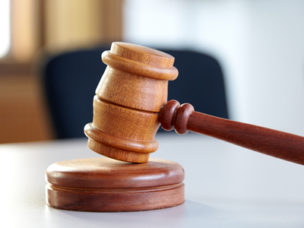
(131, 101)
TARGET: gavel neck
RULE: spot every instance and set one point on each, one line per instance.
(175, 115)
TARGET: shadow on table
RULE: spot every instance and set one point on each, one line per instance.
(185, 215)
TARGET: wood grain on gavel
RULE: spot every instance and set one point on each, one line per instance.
(130, 100)
(132, 91)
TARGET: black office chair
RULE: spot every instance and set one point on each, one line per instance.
(70, 80)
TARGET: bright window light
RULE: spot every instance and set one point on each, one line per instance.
(4, 27)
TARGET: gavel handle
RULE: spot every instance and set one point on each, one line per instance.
(275, 143)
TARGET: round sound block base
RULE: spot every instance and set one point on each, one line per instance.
(106, 185)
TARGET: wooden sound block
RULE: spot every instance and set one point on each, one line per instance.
(103, 184)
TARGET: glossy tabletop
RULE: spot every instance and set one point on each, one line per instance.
(226, 186)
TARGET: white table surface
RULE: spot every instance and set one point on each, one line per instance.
(226, 186)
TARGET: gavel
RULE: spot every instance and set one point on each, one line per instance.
(131, 103)
(129, 106)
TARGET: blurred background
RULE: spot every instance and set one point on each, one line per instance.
(258, 46)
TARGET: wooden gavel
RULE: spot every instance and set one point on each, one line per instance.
(131, 101)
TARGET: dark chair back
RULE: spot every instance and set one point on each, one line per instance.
(70, 80)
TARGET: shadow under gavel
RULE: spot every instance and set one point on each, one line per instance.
(131, 101)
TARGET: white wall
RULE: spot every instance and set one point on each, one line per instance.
(260, 45)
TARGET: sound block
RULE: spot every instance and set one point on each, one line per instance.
(104, 184)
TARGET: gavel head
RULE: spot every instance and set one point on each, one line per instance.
(128, 98)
